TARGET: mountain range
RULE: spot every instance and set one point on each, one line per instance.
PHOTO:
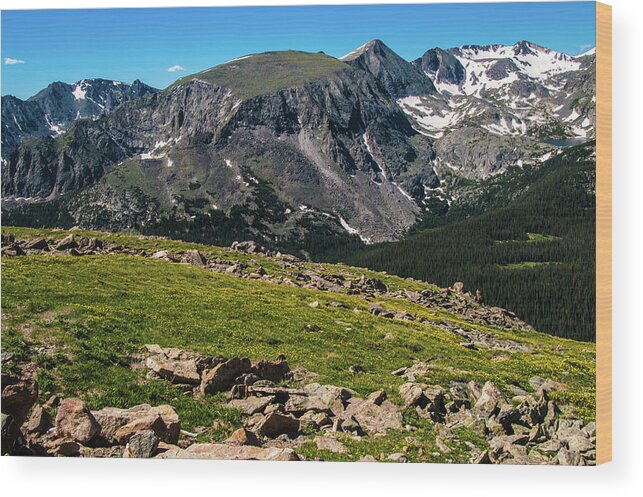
(292, 148)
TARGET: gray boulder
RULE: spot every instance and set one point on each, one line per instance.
(142, 445)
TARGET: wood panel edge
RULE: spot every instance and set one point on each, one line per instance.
(603, 233)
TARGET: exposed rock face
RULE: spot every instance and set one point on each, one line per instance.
(275, 424)
(328, 399)
(429, 399)
(526, 433)
(176, 365)
(39, 169)
(441, 66)
(274, 371)
(39, 421)
(331, 444)
(489, 400)
(251, 405)
(243, 437)
(53, 110)
(484, 154)
(12, 437)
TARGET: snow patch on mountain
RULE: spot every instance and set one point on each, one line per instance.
(353, 231)
(79, 91)
(357, 52)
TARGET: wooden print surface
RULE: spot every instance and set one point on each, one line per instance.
(334, 233)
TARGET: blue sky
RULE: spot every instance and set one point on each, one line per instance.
(41, 46)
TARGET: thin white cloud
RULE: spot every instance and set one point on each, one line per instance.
(11, 61)
(584, 48)
(175, 68)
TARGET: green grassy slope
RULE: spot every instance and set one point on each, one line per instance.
(534, 254)
(78, 318)
(267, 72)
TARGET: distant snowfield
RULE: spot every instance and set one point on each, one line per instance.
(540, 63)
(431, 120)
(492, 92)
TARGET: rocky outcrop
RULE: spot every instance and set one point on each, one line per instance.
(221, 377)
(480, 152)
(374, 415)
(360, 149)
(142, 445)
(19, 393)
(178, 366)
(119, 425)
(521, 430)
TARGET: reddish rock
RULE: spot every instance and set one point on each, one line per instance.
(119, 425)
(275, 424)
(230, 452)
(243, 437)
(39, 421)
(75, 421)
(373, 418)
(18, 396)
(185, 371)
(162, 420)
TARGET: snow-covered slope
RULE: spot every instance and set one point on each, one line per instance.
(511, 90)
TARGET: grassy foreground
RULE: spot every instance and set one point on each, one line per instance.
(78, 319)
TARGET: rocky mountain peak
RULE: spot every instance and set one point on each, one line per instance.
(397, 76)
(376, 46)
(525, 47)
